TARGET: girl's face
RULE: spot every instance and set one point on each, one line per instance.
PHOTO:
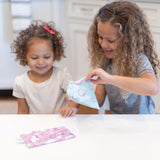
(40, 56)
(108, 38)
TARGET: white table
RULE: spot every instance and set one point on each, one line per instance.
(98, 137)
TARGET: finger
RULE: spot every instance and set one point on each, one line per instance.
(90, 74)
(94, 81)
(62, 111)
(65, 115)
(70, 113)
(73, 113)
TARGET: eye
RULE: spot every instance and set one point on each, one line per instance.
(34, 58)
(110, 41)
(100, 37)
(47, 57)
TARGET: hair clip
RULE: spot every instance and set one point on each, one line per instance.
(101, 13)
(48, 30)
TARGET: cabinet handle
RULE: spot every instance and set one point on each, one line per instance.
(86, 9)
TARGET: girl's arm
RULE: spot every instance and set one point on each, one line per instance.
(100, 94)
(23, 107)
(144, 85)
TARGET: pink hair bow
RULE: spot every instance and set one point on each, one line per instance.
(48, 30)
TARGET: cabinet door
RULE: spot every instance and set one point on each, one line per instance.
(79, 63)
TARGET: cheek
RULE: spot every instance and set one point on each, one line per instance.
(100, 41)
(50, 62)
(52, 59)
(114, 46)
(30, 63)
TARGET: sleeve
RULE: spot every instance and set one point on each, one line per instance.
(144, 66)
(17, 89)
(66, 78)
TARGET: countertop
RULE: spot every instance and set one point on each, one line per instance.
(98, 137)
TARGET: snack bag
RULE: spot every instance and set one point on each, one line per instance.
(42, 137)
(82, 92)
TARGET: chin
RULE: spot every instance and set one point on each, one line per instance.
(109, 56)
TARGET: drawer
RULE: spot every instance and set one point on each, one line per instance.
(84, 9)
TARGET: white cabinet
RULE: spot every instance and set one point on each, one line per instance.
(80, 16)
(79, 56)
(8, 67)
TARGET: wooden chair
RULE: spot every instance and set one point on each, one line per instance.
(86, 110)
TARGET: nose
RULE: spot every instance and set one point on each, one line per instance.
(104, 43)
(40, 61)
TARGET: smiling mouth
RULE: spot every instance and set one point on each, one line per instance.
(107, 52)
(40, 68)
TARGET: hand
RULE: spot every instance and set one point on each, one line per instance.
(68, 111)
(102, 76)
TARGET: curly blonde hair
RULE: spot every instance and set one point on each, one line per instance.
(36, 30)
(135, 38)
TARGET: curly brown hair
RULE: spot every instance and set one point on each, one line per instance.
(134, 38)
(36, 30)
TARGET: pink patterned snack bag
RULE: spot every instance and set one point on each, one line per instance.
(42, 137)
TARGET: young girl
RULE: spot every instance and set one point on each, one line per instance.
(41, 90)
(121, 45)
